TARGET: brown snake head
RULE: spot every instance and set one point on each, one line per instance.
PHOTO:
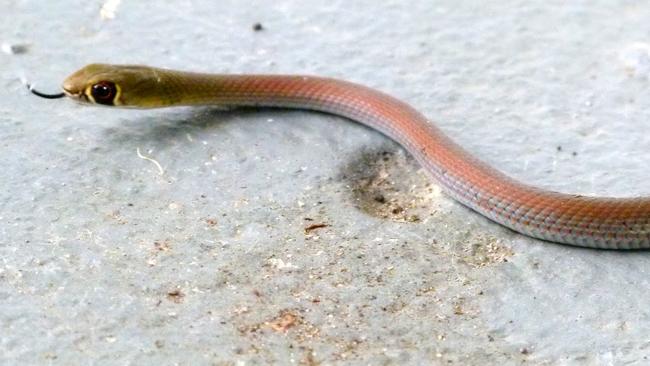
(117, 85)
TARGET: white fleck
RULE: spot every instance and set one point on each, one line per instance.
(157, 164)
(280, 264)
(315, 29)
(636, 58)
(109, 9)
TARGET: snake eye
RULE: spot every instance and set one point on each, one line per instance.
(103, 92)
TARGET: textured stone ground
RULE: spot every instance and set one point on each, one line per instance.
(221, 258)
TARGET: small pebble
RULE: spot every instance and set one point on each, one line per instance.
(14, 49)
(258, 27)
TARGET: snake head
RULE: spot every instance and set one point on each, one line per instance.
(117, 85)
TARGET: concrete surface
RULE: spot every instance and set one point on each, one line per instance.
(220, 259)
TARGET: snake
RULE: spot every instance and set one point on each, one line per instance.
(572, 219)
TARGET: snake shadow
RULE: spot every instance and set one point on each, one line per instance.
(164, 128)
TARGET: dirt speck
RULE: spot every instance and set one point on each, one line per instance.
(487, 252)
(175, 296)
(289, 322)
(162, 245)
(309, 359)
(284, 321)
(313, 227)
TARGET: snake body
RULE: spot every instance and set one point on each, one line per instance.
(597, 222)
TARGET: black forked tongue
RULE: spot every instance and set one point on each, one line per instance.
(44, 95)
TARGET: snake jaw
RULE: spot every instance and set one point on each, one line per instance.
(73, 91)
(71, 94)
(76, 96)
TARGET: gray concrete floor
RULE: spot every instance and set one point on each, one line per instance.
(104, 260)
